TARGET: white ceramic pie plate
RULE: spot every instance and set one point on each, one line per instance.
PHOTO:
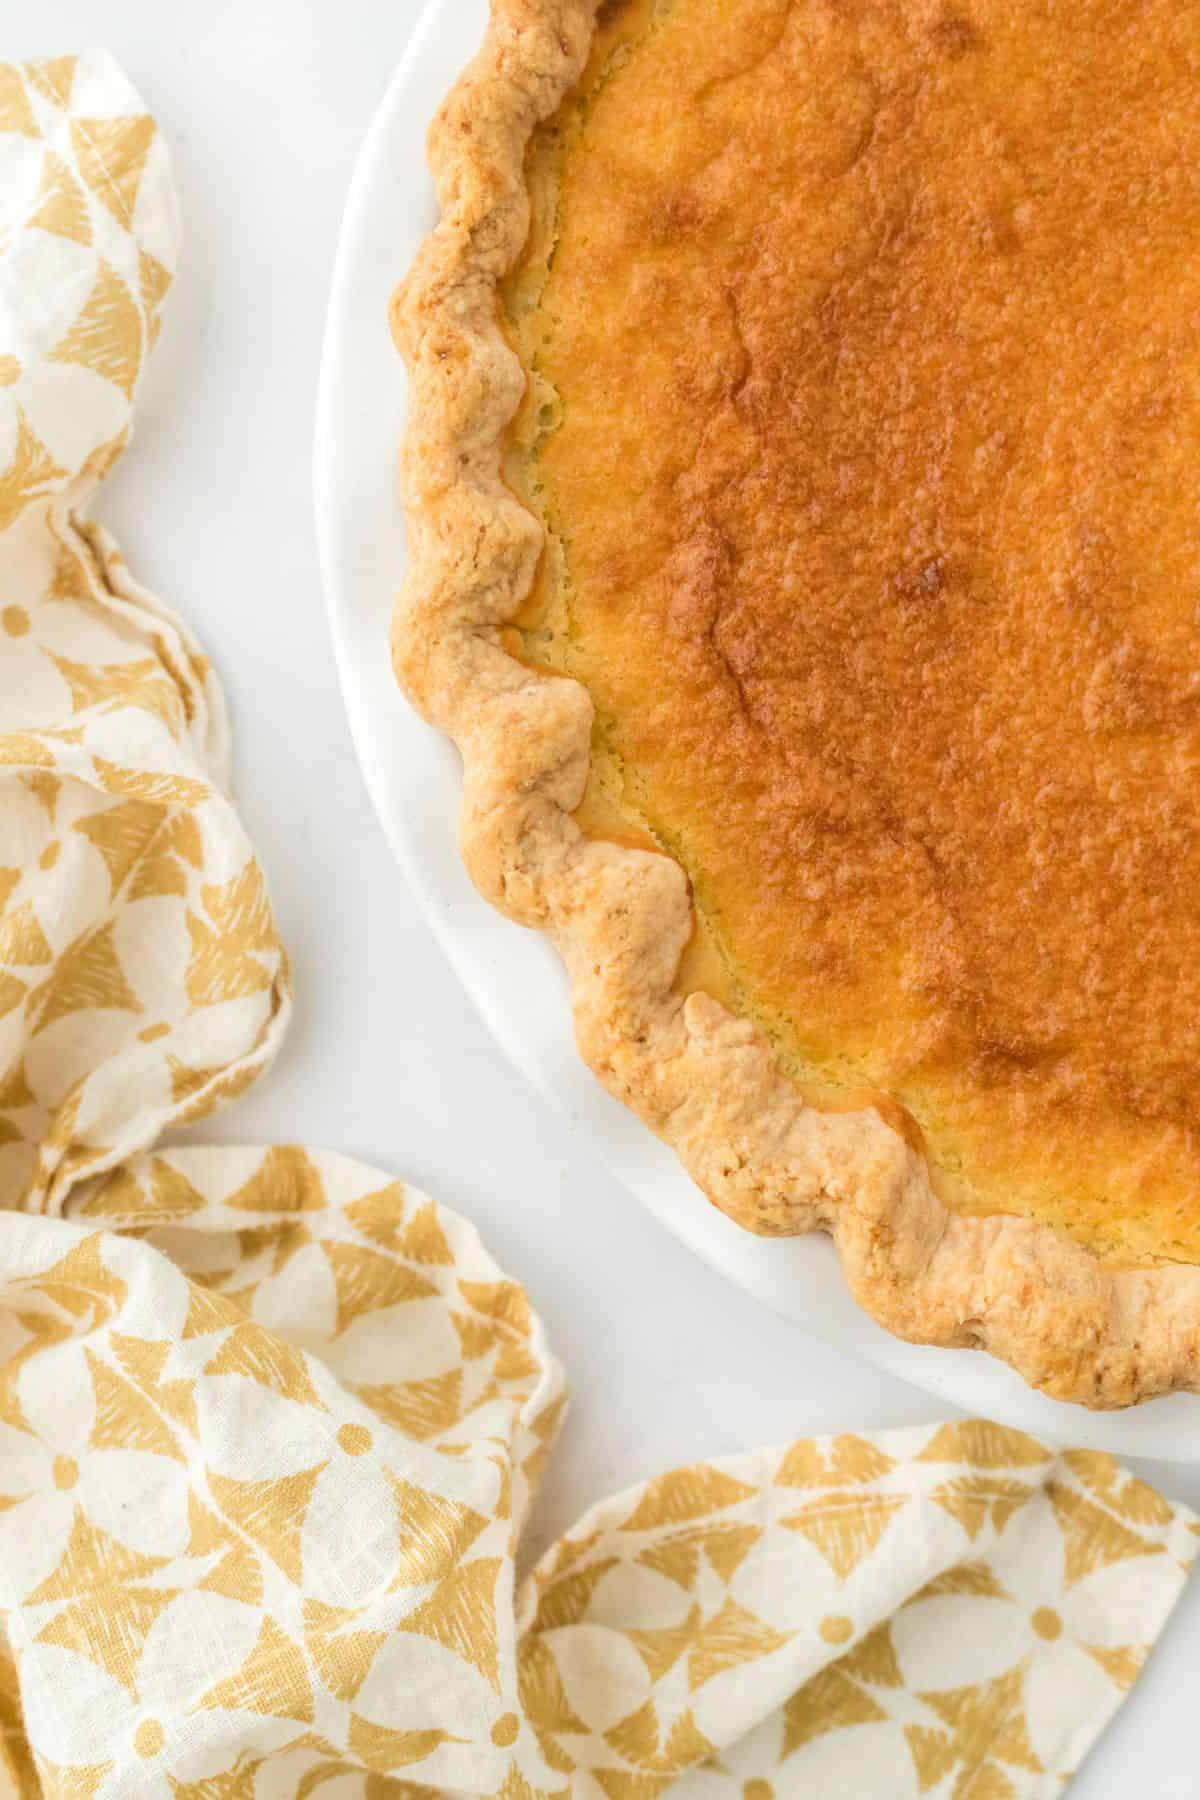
(413, 776)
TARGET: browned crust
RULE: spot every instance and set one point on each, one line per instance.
(705, 1081)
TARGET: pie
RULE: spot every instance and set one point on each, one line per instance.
(805, 556)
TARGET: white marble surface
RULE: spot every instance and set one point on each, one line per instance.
(265, 103)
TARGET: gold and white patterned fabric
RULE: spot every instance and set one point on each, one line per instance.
(271, 1422)
(141, 977)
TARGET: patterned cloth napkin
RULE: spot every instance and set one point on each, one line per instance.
(270, 1422)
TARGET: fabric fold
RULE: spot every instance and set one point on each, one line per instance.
(142, 976)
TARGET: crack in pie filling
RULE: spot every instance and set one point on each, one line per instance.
(803, 496)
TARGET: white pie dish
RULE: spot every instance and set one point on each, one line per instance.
(413, 777)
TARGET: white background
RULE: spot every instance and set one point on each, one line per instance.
(264, 103)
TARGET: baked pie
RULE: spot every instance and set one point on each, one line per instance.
(805, 556)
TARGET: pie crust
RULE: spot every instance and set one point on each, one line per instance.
(704, 1079)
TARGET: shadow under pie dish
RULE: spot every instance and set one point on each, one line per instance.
(804, 549)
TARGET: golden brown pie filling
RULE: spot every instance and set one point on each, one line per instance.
(864, 419)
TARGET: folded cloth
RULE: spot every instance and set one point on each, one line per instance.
(270, 1422)
(141, 976)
